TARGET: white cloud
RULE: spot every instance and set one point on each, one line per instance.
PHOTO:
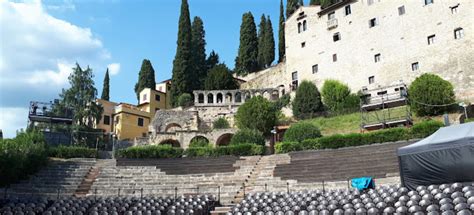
(38, 52)
(114, 68)
(12, 119)
(61, 6)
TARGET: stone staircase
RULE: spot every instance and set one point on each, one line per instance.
(84, 188)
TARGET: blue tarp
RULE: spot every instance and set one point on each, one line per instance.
(362, 183)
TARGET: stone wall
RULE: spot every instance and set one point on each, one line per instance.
(166, 121)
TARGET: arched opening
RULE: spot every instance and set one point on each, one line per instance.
(200, 98)
(238, 97)
(199, 141)
(171, 142)
(219, 98)
(275, 95)
(281, 89)
(210, 98)
(299, 27)
(228, 98)
(266, 95)
(172, 127)
(224, 139)
(247, 96)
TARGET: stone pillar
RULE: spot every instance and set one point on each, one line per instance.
(205, 98)
(214, 100)
(196, 98)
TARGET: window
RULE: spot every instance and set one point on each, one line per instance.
(157, 109)
(336, 37)
(304, 25)
(315, 68)
(303, 44)
(347, 10)
(294, 82)
(371, 79)
(370, 2)
(458, 33)
(454, 9)
(415, 66)
(294, 76)
(299, 27)
(144, 97)
(401, 10)
(331, 15)
(140, 122)
(106, 120)
(377, 58)
(431, 39)
(427, 2)
(334, 57)
(373, 22)
(157, 97)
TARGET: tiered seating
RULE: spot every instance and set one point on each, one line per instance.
(184, 166)
(432, 200)
(341, 164)
(202, 178)
(59, 177)
(118, 205)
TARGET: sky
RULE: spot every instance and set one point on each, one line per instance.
(40, 42)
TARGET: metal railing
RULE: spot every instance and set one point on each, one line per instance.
(332, 23)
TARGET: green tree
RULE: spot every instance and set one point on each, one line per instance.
(269, 41)
(246, 135)
(323, 3)
(336, 95)
(182, 77)
(261, 41)
(430, 95)
(212, 60)
(220, 78)
(291, 6)
(198, 45)
(106, 87)
(246, 61)
(257, 113)
(146, 77)
(281, 34)
(300, 3)
(301, 131)
(307, 102)
(220, 123)
(185, 100)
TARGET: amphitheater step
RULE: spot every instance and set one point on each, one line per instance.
(86, 184)
(220, 210)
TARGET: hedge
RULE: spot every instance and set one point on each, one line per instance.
(21, 156)
(152, 151)
(301, 131)
(419, 130)
(248, 136)
(72, 152)
(243, 149)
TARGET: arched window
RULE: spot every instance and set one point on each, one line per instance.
(299, 27)
(210, 98)
(219, 98)
(304, 25)
(200, 98)
(238, 97)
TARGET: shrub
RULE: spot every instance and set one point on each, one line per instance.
(185, 100)
(256, 113)
(242, 149)
(301, 131)
(285, 147)
(247, 136)
(337, 96)
(307, 102)
(424, 129)
(152, 151)
(432, 90)
(21, 156)
(282, 102)
(207, 151)
(199, 142)
(72, 152)
(221, 123)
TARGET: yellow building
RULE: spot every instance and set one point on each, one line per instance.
(106, 121)
(130, 122)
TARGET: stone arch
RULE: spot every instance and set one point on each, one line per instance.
(210, 98)
(229, 98)
(172, 127)
(275, 94)
(266, 94)
(238, 97)
(201, 98)
(248, 95)
(172, 142)
(219, 98)
(224, 139)
(199, 138)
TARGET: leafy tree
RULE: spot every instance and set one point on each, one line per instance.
(246, 61)
(300, 3)
(281, 34)
(198, 45)
(248, 136)
(221, 123)
(212, 60)
(220, 78)
(337, 96)
(307, 101)
(199, 141)
(269, 49)
(301, 131)
(106, 87)
(282, 102)
(291, 6)
(323, 3)
(256, 113)
(430, 95)
(182, 77)
(261, 41)
(146, 78)
(185, 100)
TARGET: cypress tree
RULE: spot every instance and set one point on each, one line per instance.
(105, 88)
(198, 45)
(246, 61)
(220, 78)
(281, 34)
(261, 58)
(314, 2)
(182, 77)
(269, 43)
(300, 3)
(291, 6)
(212, 60)
(146, 78)
(323, 3)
